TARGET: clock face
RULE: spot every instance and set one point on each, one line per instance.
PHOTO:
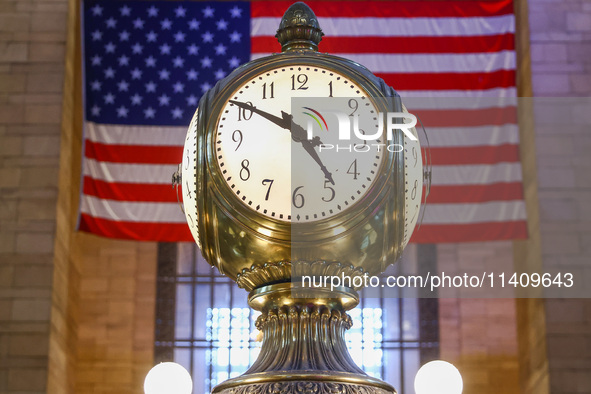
(269, 163)
(189, 184)
(413, 177)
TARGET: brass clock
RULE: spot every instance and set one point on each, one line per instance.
(276, 185)
(260, 185)
(249, 163)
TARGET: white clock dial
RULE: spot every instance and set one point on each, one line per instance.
(413, 176)
(189, 185)
(279, 176)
